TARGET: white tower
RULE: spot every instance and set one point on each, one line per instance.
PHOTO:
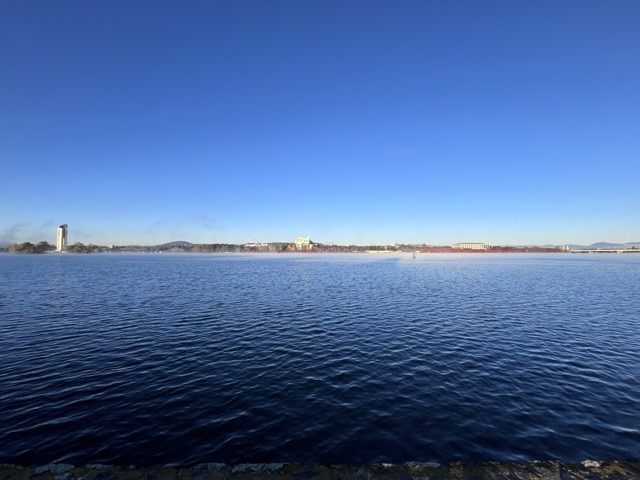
(61, 240)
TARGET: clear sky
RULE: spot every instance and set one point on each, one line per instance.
(507, 122)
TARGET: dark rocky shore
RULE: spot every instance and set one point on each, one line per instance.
(587, 470)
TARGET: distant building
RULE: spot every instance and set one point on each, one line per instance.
(255, 246)
(471, 246)
(304, 243)
(61, 238)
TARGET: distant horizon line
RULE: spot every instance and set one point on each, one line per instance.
(6, 243)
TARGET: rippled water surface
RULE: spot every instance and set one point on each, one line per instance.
(179, 359)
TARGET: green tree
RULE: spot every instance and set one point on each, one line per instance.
(43, 247)
(24, 247)
(78, 247)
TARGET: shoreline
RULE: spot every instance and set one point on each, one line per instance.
(552, 469)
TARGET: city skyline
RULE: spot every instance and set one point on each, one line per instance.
(352, 123)
(302, 243)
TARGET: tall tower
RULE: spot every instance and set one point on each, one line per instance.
(61, 240)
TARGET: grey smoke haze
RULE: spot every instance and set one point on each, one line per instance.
(10, 235)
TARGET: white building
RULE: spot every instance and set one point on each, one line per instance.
(471, 246)
(61, 239)
(304, 243)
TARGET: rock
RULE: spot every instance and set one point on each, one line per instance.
(257, 467)
(422, 464)
(106, 475)
(305, 475)
(55, 468)
(533, 470)
(204, 468)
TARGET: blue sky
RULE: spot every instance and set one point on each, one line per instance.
(507, 122)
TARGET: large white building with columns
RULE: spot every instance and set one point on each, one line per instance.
(471, 246)
(304, 243)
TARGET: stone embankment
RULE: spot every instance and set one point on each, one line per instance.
(547, 470)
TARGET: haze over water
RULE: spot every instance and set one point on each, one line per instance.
(180, 359)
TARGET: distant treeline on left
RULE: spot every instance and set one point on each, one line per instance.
(43, 247)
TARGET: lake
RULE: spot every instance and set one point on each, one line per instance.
(180, 359)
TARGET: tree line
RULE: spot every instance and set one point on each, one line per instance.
(43, 247)
(28, 247)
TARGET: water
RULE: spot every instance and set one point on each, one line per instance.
(180, 359)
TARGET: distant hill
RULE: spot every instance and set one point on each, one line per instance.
(604, 245)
